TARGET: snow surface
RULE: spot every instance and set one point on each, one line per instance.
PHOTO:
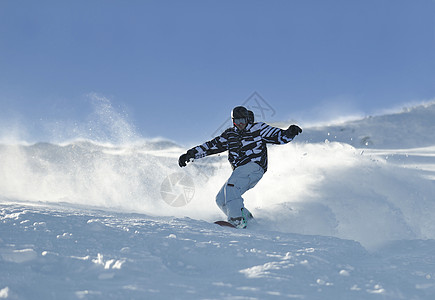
(345, 212)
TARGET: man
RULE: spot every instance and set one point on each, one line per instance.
(247, 153)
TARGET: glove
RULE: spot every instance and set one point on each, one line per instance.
(292, 131)
(185, 158)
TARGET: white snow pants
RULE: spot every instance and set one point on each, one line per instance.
(229, 199)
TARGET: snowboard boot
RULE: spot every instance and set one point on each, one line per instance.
(238, 222)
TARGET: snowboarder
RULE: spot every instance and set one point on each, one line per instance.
(247, 153)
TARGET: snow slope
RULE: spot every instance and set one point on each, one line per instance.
(345, 212)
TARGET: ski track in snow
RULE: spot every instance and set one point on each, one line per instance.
(344, 212)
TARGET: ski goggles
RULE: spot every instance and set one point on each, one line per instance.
(240, 121)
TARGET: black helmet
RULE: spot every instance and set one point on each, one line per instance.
(239, 112)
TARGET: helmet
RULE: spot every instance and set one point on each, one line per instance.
(239, 112)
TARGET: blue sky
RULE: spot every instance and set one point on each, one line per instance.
(175, 69)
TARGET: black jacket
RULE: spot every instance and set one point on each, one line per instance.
(244, 146)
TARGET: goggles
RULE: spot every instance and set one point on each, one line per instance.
(240, 121)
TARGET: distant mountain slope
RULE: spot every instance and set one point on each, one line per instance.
(412, 128)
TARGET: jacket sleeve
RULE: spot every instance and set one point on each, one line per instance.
(217, 145)
(274, 135)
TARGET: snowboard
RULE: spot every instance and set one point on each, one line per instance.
(225, 224)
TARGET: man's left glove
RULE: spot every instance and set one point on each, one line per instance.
(292, 131)
(186, 157)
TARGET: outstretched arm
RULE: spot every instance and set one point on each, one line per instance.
(217, 145)
(275, 135)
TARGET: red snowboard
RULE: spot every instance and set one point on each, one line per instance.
(225, 224)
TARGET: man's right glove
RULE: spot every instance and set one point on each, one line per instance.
(186, 157)
(292, 131)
